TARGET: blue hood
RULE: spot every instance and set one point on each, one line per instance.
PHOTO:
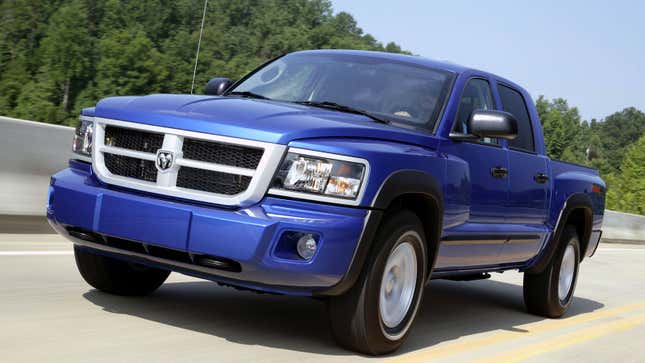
(260, 120)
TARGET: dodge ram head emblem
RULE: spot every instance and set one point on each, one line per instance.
(164, 160)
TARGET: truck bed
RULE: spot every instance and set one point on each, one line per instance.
(560, 166)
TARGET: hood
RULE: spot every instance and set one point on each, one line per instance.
(253, 119)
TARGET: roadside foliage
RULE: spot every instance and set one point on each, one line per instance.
(57, 57)
(615, 146)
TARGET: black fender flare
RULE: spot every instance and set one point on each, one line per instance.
(395, 185)
(408, 182)
(575, 201)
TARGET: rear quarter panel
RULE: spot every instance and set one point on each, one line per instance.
(572, 178)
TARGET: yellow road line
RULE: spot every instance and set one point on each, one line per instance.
(564, 341)
(526, 330)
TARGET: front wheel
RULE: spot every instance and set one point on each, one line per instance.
(550, 292)
(118, 277)
(375, 315)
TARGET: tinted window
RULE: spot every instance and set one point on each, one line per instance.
(513, 102)
(476, 96)
(398, 91)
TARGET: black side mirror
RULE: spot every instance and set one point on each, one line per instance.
(217, 86)
(493, 124)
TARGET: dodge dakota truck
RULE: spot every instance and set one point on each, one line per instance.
(353, 177)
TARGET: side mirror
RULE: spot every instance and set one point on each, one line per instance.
(217, 86)
(493, 124)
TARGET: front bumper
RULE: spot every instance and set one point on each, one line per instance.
(248, 237)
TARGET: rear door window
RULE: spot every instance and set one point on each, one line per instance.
(513, 102)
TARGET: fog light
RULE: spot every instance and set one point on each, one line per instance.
(307, 246)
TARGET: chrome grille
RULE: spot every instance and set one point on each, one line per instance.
(212, 181)
(204, 167)
(131, 167)
(232, 155)
(133, 139)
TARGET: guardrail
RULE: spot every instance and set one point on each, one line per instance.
(623, 227)
(30, 152)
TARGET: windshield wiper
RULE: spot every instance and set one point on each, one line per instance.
(248, 94)
(343, 108)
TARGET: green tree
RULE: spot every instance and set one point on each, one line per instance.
(73, 52)
(562, 129)
(129, 64)
(627, 189)
(64, 53)
(23, 23)
(616, 133)
(35, 102)
(178, 53)
(15, 76)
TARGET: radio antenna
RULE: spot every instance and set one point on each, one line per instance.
(199, 44)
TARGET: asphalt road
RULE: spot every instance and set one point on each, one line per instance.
(47, 313)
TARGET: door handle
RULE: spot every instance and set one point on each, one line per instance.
(499, 172)
(541, 178)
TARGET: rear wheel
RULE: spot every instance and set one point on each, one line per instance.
(550, 292)
(118, 277)
(375, 315)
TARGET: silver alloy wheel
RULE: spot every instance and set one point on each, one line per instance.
(567, 272)
(398, 285)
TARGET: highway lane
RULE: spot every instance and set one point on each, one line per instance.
(47, 313)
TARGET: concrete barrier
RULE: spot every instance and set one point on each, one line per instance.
(30, 152)
(620, 227)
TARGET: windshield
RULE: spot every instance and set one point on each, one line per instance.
(396, 91)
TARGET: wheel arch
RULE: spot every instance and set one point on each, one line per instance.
(577, 211)
(582, 220)
(420, 193)
(414, 190)
(428, 212)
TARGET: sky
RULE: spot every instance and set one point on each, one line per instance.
(591, 53)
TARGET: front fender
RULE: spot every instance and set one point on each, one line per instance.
(398, 184)
(395, 170)
(408, 182)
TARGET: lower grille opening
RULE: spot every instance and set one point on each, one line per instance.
(213, 262)
(84, 235)
(218, 263)
(169, 254)
(125, 244)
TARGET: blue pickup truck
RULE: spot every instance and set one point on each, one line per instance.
(353, 177)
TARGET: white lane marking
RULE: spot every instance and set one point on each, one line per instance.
(619, 249)
(36, 253)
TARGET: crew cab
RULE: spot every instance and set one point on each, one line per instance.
(354, 177)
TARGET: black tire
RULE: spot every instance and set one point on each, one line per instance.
(541, 295)
(355, 317)
(118, 277)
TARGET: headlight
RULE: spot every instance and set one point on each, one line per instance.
(323, 174)
(83, 136)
